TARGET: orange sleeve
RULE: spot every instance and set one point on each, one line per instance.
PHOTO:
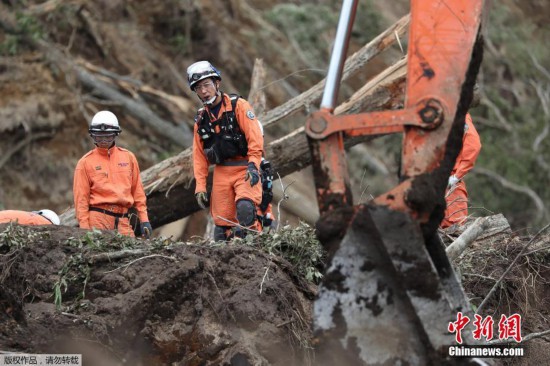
(471, 146)
(250, 126)
(81, 193)
(138, 194)
(200, 162)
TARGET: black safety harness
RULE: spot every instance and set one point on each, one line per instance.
(229, 143)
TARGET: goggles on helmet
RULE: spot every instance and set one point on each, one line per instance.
(201, 70)
(104, 128)
(199, 76)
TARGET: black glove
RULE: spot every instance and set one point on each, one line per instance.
(146, 229)
(202, 199)
(252, 174)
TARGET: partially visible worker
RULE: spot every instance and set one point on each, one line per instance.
(107, 182)
(456, 195)
(42, 217)
(265, 208)
(228, 135)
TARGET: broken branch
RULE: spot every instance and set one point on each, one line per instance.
(539, 204)
(528, 337)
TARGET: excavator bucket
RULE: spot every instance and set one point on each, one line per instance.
(389, 290)
(383, 301)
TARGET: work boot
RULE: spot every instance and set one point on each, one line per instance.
(220, 233)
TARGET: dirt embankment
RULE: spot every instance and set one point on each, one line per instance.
(146, 303)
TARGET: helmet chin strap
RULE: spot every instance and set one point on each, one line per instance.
(211, 100)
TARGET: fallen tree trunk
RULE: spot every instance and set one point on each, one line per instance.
(470, 235)
(178, 135)
(169, 185)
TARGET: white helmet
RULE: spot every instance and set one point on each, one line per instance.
(104, 121)
(49, 215)
(201, 70)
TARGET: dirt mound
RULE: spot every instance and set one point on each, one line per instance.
(523, 290)
(125, 301)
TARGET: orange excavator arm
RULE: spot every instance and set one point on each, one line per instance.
(389, 290)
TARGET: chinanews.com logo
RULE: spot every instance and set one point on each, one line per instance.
(506, 345)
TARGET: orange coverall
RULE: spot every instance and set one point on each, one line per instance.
(23, 218)
(229, 185)
(457, 196)
(108, 180)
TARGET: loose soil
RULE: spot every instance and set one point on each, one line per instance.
(183, 304)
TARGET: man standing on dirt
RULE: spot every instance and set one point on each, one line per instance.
(42, 217)
(107, 182)
(228, 135)
(456, 195)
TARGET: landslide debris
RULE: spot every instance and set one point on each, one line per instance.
(119, 300)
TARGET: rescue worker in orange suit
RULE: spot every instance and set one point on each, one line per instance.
(42, 217)
(228, 135)
(107, 182)
(456, 195)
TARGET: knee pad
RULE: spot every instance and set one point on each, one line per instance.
(246, 212)
(220, 233)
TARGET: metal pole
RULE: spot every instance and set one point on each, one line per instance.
(339, 52)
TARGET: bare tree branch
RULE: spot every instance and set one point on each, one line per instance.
(178, 135)
(528, 337)
(539, 204)
(353, 63)
(21, 144)
(498, 113)
(544, 97)
(539, 67)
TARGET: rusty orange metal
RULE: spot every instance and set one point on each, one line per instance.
(441, 41)
(387, 272)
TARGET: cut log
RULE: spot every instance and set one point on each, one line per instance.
(468, 236)
(496, 225)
